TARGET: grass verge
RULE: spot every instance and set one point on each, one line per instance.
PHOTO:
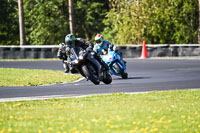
(41, 59)
(166, 112)
(30, 77)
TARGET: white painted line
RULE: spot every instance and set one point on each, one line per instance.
(65, 82)
(75, 96)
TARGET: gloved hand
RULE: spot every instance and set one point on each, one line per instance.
(61, 45)
(67, 49)
(88, 49)
(111, 47)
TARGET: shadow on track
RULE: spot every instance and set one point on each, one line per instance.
(132, 78)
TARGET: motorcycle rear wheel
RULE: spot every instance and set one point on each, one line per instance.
(90, 72)
(123, 74)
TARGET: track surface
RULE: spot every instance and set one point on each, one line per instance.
(144, 75)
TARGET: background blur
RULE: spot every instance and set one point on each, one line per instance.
(120, 21)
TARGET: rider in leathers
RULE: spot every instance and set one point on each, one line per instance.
(71, 42)
(102, 44)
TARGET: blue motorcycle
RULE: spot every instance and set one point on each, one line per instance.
(113, 59)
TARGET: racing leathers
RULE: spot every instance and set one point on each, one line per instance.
(104, 45)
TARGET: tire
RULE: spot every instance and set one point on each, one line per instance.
(89, 72)
(121, 71)
(107, 78)
(124, 75)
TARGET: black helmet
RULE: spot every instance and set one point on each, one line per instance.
(69, 40)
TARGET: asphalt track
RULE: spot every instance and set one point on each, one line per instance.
(144, 75)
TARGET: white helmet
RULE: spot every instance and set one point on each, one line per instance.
(99, 39)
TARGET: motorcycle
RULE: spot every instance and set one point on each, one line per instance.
(115, 62)
(86, 64)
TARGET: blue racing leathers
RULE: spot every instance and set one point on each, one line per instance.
(104, 45)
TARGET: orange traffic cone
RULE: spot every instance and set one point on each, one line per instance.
(144, 50)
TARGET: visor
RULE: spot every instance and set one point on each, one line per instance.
(69, 42)
(98, 41)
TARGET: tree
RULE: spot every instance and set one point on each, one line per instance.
(156, 21)
(46, 21)
(89, 16)
(199, 25)
(71, 16)
(21, 23)
(9, 24)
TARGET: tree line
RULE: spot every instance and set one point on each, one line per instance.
(121, 22)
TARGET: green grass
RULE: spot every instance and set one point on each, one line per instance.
(159, 112)
(30, 77)
(41, 59)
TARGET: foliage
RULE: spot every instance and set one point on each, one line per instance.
(156, 21)
(89, 15)
(121, 22)
(154, 112)
(9, 29)
(46, 21)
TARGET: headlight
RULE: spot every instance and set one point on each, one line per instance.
(108, 58)
(92, 53)
(76, 61)
(81, 57)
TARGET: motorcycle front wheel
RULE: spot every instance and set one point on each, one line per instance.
(90, 72)
(107, 78)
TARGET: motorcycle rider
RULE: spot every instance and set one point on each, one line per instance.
(63, 56)
(103, 44)
(72, 42)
